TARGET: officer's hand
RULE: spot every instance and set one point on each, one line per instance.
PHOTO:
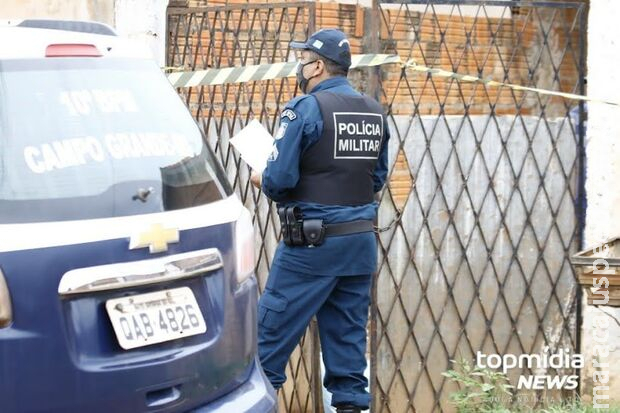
(256, 178)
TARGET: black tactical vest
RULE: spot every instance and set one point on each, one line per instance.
(338, 169)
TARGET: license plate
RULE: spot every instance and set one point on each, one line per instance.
(144, 319)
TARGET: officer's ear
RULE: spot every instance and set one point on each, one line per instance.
(320, 67)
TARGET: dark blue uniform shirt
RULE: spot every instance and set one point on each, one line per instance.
(301, 126)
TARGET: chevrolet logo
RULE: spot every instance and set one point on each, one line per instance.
(156, 238)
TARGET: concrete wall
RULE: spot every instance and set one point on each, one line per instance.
(142, 20)
(145, 21)
(603, 174)
(99, 10)
(470, 242)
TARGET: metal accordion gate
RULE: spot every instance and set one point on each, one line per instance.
(484, 203)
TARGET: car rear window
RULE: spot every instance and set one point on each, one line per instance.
(96, 138)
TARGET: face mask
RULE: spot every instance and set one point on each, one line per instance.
(301, 80)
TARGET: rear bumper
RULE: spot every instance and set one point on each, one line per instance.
(255, 395)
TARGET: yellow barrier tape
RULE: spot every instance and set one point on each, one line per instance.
(489, 82)
(210, 77)
(220, 76)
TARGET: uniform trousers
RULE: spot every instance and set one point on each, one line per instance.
(340, 304)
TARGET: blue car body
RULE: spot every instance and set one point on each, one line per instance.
(92, 310)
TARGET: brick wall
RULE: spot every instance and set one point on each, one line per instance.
(502, 48)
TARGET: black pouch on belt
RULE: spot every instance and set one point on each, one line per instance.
(314, 231)
(294, 222)
(286, 235)
(291, 225)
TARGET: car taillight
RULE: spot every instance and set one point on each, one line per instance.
(244, 246)
(72, 50)
(6, 312)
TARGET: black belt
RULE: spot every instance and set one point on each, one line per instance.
(351, 227)
(297, 231)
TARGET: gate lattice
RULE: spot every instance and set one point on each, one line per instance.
(486, 181)
(480, 259)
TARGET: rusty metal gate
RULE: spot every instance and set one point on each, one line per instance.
(486, 181)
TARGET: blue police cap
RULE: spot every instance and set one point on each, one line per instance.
(329, 43)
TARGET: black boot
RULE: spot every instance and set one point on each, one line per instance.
(348, 408)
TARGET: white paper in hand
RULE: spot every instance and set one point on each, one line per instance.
(254, 144)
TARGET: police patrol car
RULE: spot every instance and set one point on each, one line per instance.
(126, 262)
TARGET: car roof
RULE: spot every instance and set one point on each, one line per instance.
(66, 25)
(24, 39)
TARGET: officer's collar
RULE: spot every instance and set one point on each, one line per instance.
(329, 83)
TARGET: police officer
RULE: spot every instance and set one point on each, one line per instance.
(329, 160)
